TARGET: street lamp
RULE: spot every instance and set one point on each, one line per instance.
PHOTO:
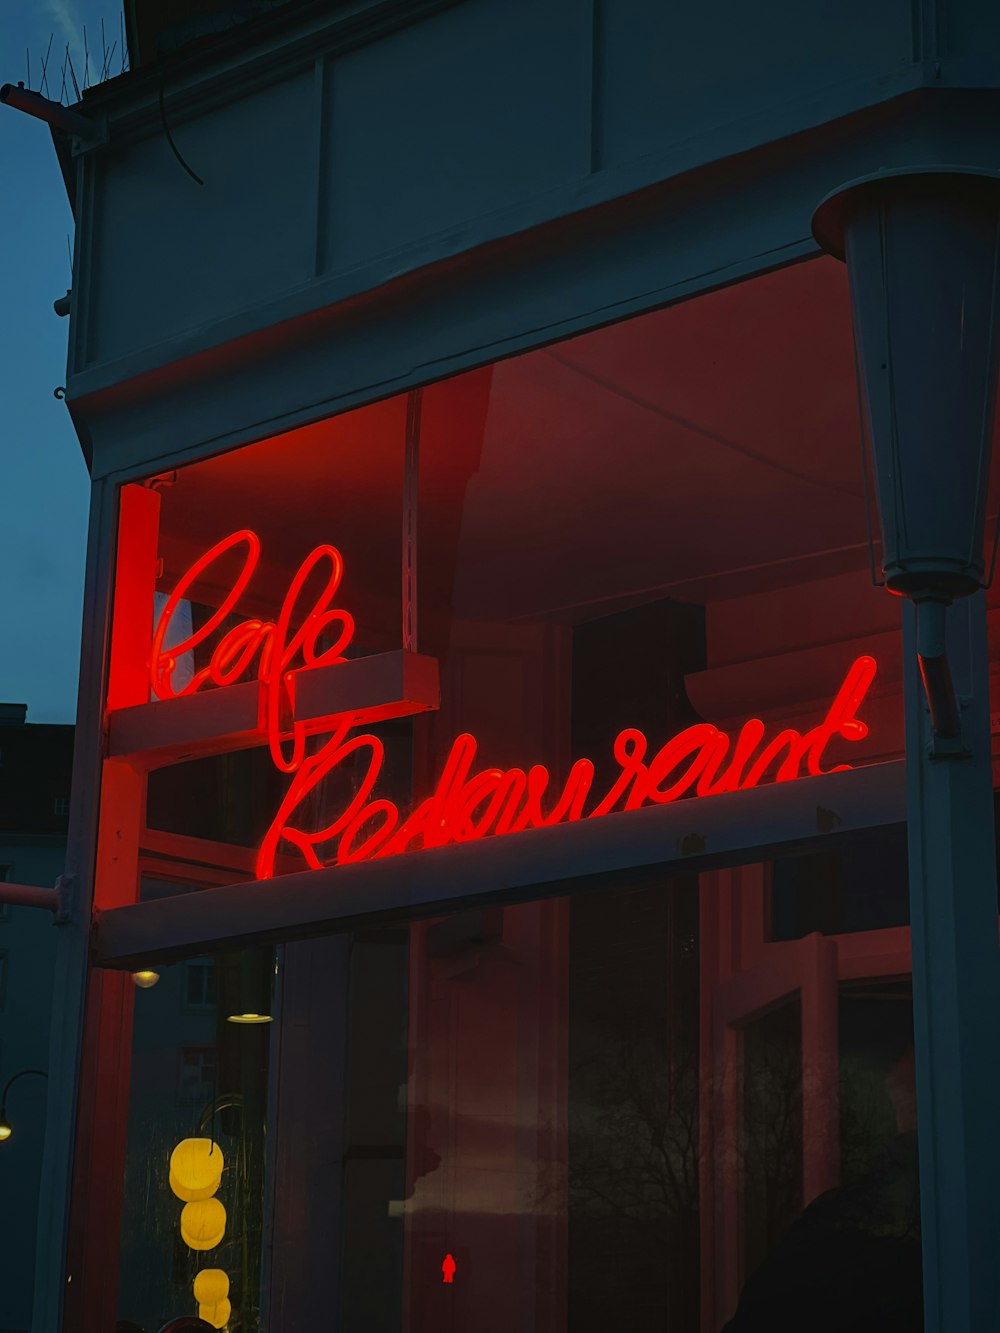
(923, 258)
(5, 1126)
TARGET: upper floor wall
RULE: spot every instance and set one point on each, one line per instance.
(306, 164)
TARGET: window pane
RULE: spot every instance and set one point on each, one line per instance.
(653, 531)
(636, 570)
(609, 1108)
(859, 886)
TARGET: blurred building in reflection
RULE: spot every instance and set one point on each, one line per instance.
(36, 761)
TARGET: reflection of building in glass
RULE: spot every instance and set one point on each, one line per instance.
(197, 1074)
(199, 983)
(194, 1077)
(35, 763)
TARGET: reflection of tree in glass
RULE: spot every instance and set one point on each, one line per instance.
(636, 1143)
(876, 1031)
(771, 1151)
(632, 1182)
(867, 1122)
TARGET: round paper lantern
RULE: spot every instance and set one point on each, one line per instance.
(188, 1195)
(216, 1315)
(211, 1286)
(196, 1166)
(203, 1224)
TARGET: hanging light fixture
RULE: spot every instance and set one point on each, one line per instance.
(216, 1315)
(145, 978)
(188, 1194)
(211, 1291)
(196, 1167)
(211, 1286)
(922, 251)
(245, 987)
(203, 1224)
(6, 1128)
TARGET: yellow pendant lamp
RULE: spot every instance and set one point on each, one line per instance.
(203, 1224)
(216, 1315)
(190, 1195)
(211, 1286)
(196, 1169)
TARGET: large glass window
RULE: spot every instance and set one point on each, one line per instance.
(626, 571)
(552, 567)
(622, 1107)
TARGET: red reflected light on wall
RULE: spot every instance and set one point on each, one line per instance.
(465, 805)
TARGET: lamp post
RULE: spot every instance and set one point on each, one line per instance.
(922, 253)
(5, 1126)
(922, 249)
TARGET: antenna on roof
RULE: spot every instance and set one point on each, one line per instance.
(43, 86)
(72, 73)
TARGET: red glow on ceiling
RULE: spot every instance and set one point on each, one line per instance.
(466, 804)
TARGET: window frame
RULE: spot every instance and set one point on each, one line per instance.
(699, 835)
(83, 1148)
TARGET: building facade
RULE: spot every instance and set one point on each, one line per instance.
(36, 761)
(566, 877)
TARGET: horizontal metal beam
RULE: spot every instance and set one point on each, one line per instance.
(53, 113)
(194, 859)
(29, 895)
(688, 835)
(370, 689)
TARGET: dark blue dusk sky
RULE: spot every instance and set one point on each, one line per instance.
(44, 487)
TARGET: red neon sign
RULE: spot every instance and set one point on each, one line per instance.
(466, 804)
(271, 642)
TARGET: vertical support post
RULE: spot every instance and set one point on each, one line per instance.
(72, 945)
(306, 1135)
(820, 1067)
(91, 1297)
(411, 490)
(76, 1267)
(103, 1092)
(956, 984)
(123, 788)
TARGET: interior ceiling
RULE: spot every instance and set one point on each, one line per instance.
(706, 450)
(714, 439)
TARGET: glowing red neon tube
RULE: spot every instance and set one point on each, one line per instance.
(465, 804)
(273, 643)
